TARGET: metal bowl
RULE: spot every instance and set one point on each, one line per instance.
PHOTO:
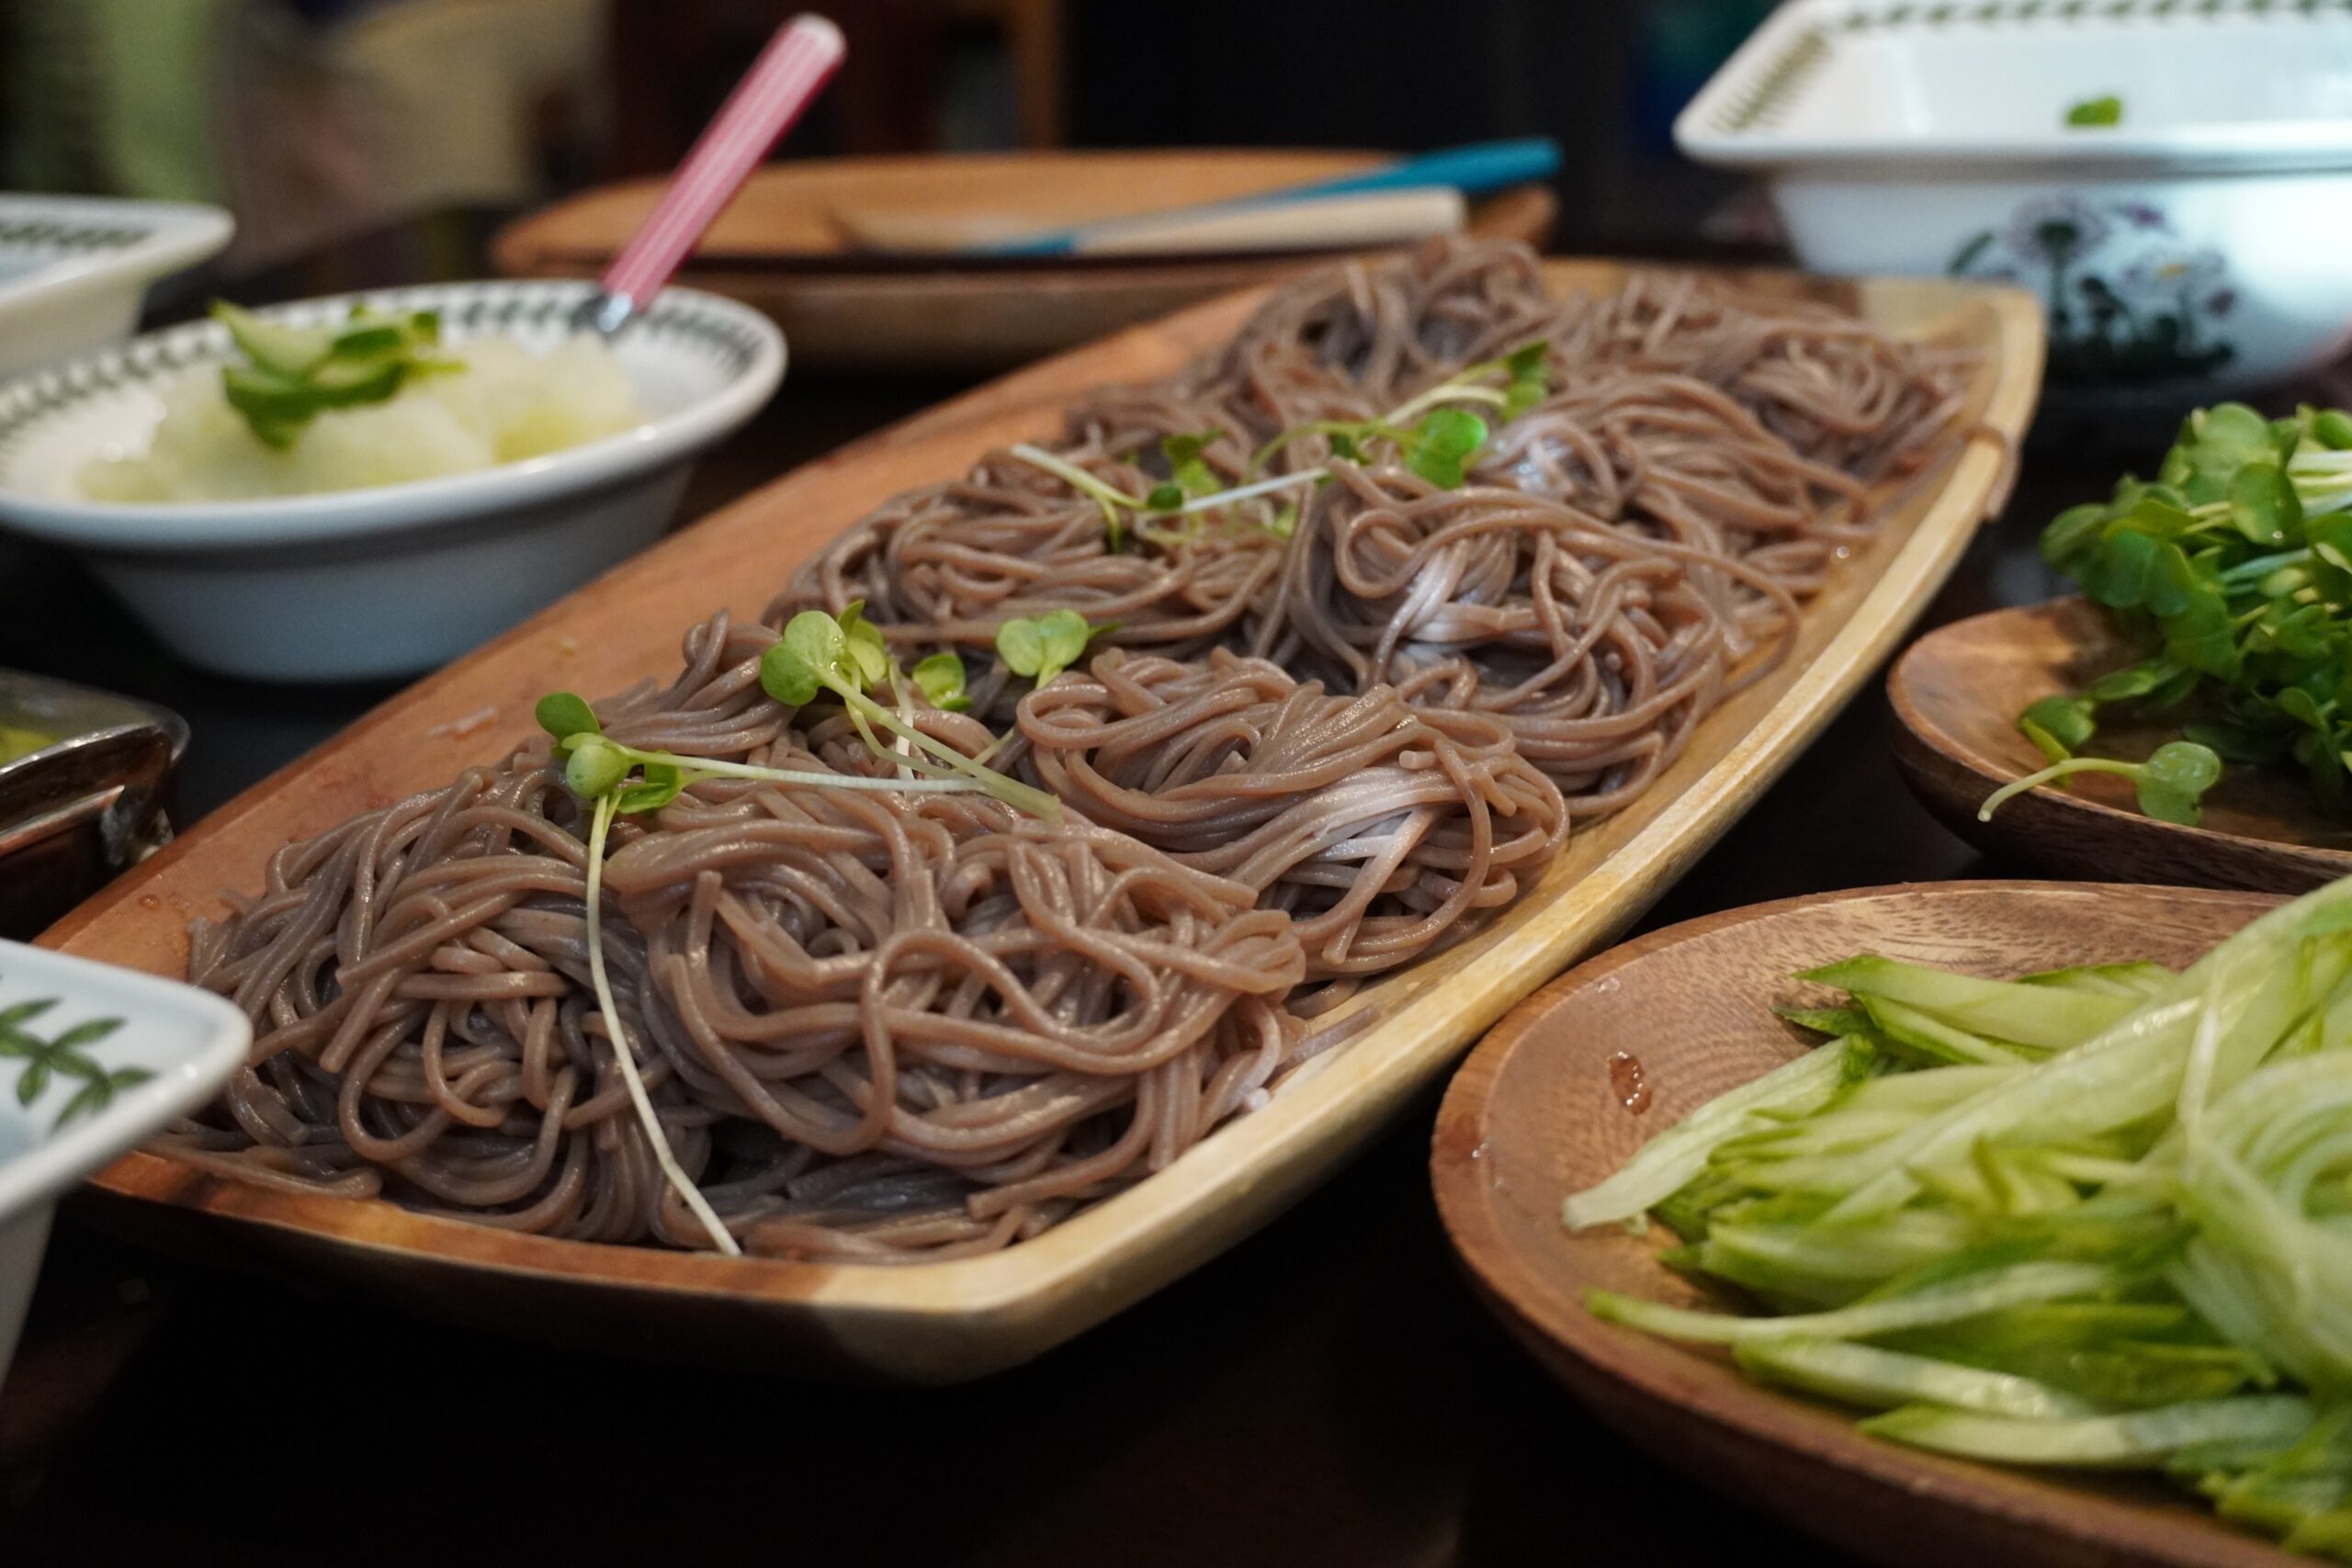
(92, 803)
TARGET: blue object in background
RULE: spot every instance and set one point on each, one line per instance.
(1679, 44)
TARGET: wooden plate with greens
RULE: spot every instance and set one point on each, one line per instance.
(1958, 693)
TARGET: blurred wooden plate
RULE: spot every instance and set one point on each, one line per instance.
(779, 248)
(1957, 694)
(1540, 1110)
(959, 1318)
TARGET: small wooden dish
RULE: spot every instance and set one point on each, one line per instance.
(783, 248)
(1958, 693)
(1584, 1072)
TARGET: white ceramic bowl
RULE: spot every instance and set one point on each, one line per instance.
(75, 269)
(111, 1056)
(394, 580)
(2194, 248)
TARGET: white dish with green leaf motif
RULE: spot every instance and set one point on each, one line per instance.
(93, 1061)
(2171, 177)
(385, 578)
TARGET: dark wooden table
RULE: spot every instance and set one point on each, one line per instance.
(1330, 1392)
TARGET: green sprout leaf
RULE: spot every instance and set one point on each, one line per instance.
(808, 658)
(862, 645)
(940, 678)
(1043, 648)
(2093, 112)
(2169, 785)
(1442, 443)
(1529, 367)
(595, 768)
(2173, 779)
(565, 713)
(661, 783)
(2058, 727)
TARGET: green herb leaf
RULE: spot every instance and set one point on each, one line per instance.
(2096, 112)
(565, 713)
(595, 768)
(660, 785)
(940, 678)
(2058, 727)
(2172, 781)
(1442, 443)
(1022, 646)
(1043, 648)
(862, 643)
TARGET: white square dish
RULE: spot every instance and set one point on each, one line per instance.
(2193, 247)
(75, 269)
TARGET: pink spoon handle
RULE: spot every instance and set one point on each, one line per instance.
(790, 72)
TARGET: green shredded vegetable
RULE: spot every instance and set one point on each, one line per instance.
(2099, 1216)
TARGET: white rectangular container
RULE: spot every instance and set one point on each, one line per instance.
(2200, 245)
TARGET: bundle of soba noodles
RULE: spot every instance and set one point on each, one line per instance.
(899, 927)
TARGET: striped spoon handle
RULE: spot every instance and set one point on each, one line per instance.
(782, 83)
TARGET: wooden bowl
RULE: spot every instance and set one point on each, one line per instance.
(944, 1321)
(1958, 693)
(1582, 1073)
(780, 249)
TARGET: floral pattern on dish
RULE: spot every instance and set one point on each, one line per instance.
(2128, 299)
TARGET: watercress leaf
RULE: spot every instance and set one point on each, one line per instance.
(1529, 359)
(2094, 112)
(1165, 497)
(2171, 782)
(2173, 689)
(565, 713)
(2333, 428)
(595, 768)
(1344, 446)
(2263, 505)
(660, 785)
(2301, 706)
(2136, 680)
(2059, 727)
(787, 676)
(1022, 646)
(2071, 532)
(2117, 573)
(1284, 521)
(940, 678)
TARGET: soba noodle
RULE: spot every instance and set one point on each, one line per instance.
(1318, 744)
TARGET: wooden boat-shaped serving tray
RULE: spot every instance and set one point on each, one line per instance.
(941, 1321)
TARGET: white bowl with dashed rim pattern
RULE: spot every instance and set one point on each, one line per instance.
(93, 1061)
(395, 578)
